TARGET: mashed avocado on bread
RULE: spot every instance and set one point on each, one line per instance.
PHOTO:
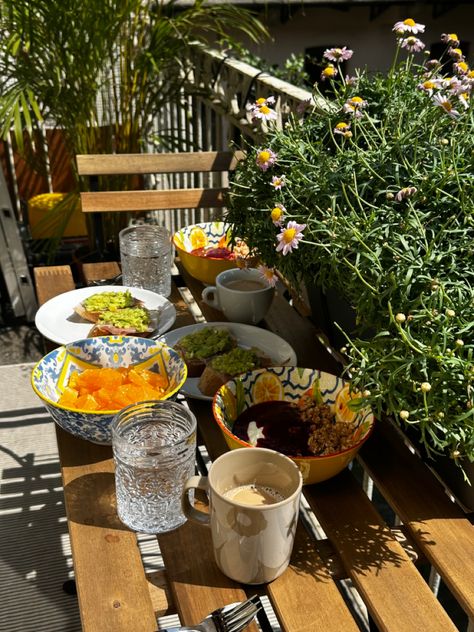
(108, 301)
(136, 318)
(235, 362)
(206, 342)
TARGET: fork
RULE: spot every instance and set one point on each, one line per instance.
(226, 619)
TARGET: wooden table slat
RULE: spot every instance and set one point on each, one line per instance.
(305, 597)
(110, 578)
(375, 561)
(425, 509)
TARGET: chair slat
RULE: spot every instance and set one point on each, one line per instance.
(102, 201)
(182, 162)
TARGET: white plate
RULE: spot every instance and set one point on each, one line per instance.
(58, 321)
(281, 353)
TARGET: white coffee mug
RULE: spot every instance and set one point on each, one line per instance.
(254, 496)
(242, 294)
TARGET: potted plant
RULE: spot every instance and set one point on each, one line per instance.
(372, 194)
(101, 73)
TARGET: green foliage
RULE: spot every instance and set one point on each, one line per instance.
(388, 207)
(101, 70)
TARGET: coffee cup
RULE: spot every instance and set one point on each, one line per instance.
(242, 294)
(254, 497)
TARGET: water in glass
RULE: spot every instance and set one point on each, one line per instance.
(146, 258)
(154, 450)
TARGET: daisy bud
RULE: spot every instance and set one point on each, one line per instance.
(455, 454)
(343, 349)
(366, 393)
(459, 343)
(425, 387)
(444, 141)
(404, 414)
(441, 415)
(400, 318)
(451, 313)
(389, 196)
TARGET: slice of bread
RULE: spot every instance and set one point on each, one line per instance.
(224, 367)
(198, 347)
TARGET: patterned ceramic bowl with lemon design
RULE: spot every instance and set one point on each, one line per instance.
(215, 235)
(290, 384)
(51, 376)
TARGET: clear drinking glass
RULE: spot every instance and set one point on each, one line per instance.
(154, 445)
(145, 255)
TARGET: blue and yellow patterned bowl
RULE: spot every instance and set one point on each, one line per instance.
(290, 383)
(51, 375)
(208, 234)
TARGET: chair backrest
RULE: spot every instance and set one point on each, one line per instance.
(165, 163)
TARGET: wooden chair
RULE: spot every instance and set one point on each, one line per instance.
(205, 163)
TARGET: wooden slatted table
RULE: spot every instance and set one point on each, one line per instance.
(115, 594)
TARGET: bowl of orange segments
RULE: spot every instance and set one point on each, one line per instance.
(292, 384)
(85, 383)
(205, 250)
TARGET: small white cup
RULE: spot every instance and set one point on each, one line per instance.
(242, 294)
(252, 543)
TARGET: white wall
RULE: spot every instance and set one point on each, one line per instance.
(373, 41)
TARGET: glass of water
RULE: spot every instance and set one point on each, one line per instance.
(154, 445)
(145, 255)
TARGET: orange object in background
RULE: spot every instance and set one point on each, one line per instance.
(112, 389)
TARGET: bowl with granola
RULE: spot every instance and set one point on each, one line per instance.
(311, 416)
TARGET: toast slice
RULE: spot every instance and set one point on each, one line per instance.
(198, 347)
(222, 368)
(129, 321)
(94, 305)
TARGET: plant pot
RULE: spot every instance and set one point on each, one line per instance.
(329, 311)
(453, 479)
(446, 471)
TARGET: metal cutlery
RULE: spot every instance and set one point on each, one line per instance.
(226, 619)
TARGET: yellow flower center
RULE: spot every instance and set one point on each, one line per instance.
(276, 214)
(470, 74)
(457, 51)
(463, 66)
(264, 109)
(289, 235)
(447, 106)
(261, 101)
(341, 126)
(263, 156)
(428, 85)
(453, 36)
(411, 40)
(409, 22)
(329, 71)
(465, 96)
(357, 100)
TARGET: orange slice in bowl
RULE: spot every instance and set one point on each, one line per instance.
(267, 388)
(197, 238)
(342, 409)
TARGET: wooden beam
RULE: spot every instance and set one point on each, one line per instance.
(102, 201)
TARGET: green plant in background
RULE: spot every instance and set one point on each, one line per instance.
(374, 195)
(100, 71)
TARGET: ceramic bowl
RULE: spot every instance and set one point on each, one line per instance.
(290, 383)
(51, 375)
(210, 234)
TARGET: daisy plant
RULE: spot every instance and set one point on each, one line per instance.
(374, 196)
